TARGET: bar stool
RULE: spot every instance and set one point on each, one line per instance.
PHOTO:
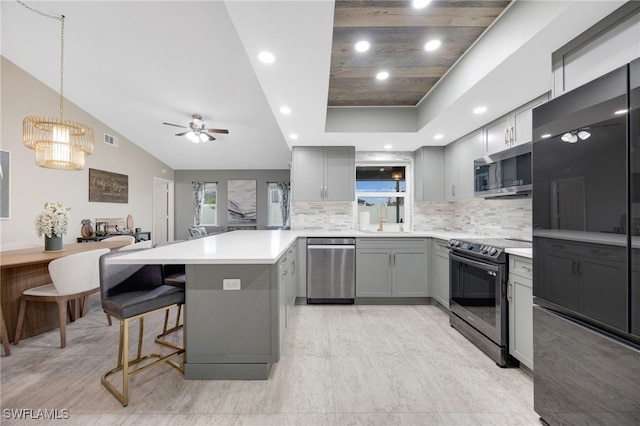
(131, 292)
(173, 275)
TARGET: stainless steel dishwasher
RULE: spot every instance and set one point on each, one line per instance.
(331, 270)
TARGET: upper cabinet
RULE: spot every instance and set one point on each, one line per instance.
(512, 129)
(459, 157)
(429, 166)
(324, 173)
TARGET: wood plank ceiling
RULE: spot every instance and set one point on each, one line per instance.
(397, 33)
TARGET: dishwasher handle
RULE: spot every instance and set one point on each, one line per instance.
(332, 247)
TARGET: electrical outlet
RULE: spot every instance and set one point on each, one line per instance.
(231, 284)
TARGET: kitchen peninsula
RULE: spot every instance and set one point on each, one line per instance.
(237, 300)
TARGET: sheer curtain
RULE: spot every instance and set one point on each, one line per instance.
(198, 198)
(285, 205)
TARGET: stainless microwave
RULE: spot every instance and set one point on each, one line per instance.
(505, 173)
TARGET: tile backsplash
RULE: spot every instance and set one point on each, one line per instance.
(503, 217)
(322, 216)
(496, 218)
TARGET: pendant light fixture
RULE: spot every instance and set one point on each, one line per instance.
(59, 144)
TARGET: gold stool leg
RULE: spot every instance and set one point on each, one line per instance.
(124, 362)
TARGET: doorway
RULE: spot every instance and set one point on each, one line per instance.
(163, 210)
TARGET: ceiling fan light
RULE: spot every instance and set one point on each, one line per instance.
(204, 137)
(570, 137)
(583, 134)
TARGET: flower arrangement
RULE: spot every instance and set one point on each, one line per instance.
(52, 221)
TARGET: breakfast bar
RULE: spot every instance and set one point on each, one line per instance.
(236, 301)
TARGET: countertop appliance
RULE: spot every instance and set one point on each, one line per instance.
(506, 173)
(331, 270)
(586, 285)
(478, 293)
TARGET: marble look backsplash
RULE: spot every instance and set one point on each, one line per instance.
(495, 218)
(322, 216)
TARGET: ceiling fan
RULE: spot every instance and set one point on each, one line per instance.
(197, 131)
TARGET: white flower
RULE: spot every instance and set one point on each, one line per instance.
(52, 221)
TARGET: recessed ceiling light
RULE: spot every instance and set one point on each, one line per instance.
(438, 136)
(432, 45)
(480, 110)
(382, 75)
(419, 4)
(285, 110)
(293, 136)
(546, 136)
(620, 112)
(266, 57)
(362, 46)
(388, 146)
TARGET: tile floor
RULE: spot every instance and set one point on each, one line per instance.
(341, 365)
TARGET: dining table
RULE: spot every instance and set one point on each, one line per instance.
(27, 268)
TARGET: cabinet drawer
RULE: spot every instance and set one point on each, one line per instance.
(390, 243)
(520, 266)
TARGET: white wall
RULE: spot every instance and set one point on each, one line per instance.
(32, 186)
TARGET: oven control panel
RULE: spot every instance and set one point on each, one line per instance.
(476, 248)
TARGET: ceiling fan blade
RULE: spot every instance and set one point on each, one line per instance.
(225, 131)
(183, 133)
(211, 138)
(177, 125)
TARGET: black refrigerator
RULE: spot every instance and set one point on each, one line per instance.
(586, 253)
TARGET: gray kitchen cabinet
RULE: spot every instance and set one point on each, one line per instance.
(301, 267)
(572, 270)
(292, 283)
(512, 129)
(451, 172)
(440, 272)
(470, 148)
(459, 157)
(323, 173)
(520, 296)
(429, 172)
(391, 267)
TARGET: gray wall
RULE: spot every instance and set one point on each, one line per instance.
(184, 194)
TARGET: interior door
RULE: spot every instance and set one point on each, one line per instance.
(163, 211)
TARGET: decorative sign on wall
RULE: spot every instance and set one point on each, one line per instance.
(242, 202)
(107, 187)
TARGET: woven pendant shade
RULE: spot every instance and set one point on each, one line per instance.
(59, 144)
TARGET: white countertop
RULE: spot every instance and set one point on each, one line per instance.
(260, 247)
(522, 252)
(237, 247)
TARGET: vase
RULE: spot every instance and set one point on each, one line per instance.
(87, 229)
(52, 244)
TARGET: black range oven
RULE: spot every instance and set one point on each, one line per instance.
(478, 293)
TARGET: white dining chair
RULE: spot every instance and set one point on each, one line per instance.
(74, 278)
(137, 246)
(130, 238)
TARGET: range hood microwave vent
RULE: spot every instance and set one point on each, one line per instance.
(504, 174)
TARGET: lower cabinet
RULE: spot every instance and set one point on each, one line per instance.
(440, 272)
(391, 268)
(520, 296)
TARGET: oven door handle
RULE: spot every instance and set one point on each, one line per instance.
(475, 263)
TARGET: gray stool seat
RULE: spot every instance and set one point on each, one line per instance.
(134, 303)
